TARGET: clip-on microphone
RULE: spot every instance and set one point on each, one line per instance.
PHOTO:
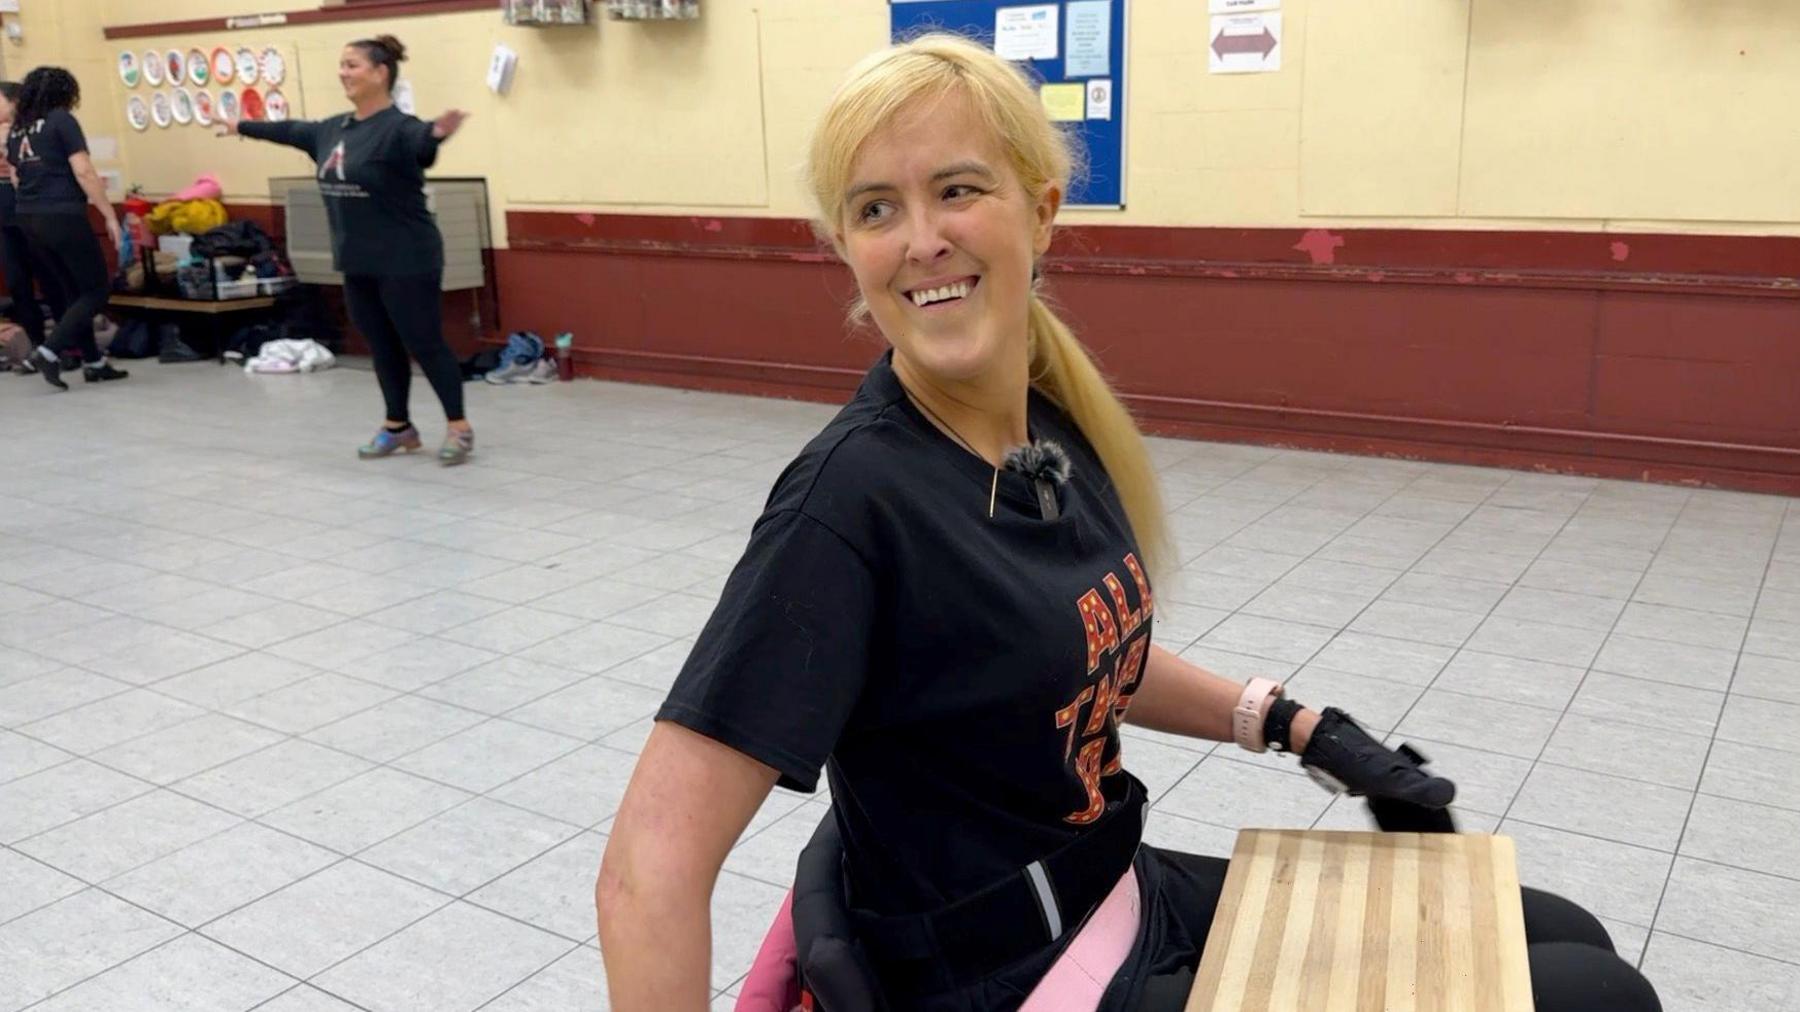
(1047, 465)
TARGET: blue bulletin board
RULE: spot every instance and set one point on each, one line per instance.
(1081, 58)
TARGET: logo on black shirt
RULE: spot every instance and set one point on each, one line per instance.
(333, 162)
(1109, 627)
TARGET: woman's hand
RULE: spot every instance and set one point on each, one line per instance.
(446, 125)
(1340, 749)
(112, 231)
(227, 128)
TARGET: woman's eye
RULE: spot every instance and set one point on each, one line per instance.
(959, 191)
(873, 211)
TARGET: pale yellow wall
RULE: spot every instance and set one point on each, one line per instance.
(1624, 114)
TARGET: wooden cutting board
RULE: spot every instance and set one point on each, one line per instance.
(1365, 922)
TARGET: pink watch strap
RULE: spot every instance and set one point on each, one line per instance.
(1251, 710)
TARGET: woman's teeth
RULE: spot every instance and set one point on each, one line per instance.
(926, 296)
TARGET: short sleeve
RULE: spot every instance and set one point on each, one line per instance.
(68, 131)
(782, 662)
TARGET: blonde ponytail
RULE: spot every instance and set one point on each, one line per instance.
(1063, 371)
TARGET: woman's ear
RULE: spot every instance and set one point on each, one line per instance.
(1044, 218)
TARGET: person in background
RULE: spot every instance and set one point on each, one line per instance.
(56, 182)
(371, 169)
(15, 249)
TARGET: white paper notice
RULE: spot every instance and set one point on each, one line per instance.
(1243, 6)
(1026, 33)
(1100, 98)
(1245, 44)
(103, 149)
(1088, 49)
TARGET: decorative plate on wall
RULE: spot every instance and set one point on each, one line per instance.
(183, 106)
(159, 109)
(252, 104)
(137, 113)
(203, 108)
(275, 105)
(274, 66)
(153, 67)
(246, 65)
(199, 68)
(128, 69)
(176, 66)
(228, 105)
(224, 68)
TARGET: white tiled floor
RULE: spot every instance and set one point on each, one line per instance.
(280, 729)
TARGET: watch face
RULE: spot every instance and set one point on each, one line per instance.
(203, 108)
(159, 109)
(275, 105)
(274, 67)
(199, 68)
(128, 69)
(228, 105)
(137, 113)
(176, 65)
(153, 67)
(246, 65)
(183, 106)
(224, 68)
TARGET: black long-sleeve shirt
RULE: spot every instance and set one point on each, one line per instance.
(372, 174)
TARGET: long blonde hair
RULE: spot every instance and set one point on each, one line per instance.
(1061, 368)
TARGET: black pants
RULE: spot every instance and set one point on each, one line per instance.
(22, 281)
(65, 247)
(401, 315)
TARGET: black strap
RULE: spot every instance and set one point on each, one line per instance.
(1014, 917)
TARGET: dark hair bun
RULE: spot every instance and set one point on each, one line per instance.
(392, 45)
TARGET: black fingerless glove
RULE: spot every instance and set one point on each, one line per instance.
(1343, 756)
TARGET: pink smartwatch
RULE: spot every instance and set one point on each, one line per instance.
(1251, 710)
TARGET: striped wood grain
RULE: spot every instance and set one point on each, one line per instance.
(1366, 922)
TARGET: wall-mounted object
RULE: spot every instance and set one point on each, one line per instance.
(203, 108)
(129, 71)
(175, 67)
(653, 10)
(500, 69)
(228, 105)
(246, 64)
(199, 68)
(183, 106)
(159, 109)
(137, 113)
(541, 13)
(224, 67)
(153, 68)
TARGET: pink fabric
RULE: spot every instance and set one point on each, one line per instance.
(1078, 979)
(773, 984)
(206, 187)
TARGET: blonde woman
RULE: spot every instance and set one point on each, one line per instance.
(948, 605)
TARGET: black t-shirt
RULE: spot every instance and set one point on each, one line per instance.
(40, 151)
(961, 678)
(372, 175)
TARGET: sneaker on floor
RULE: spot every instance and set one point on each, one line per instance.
(102, 373)
(26, 368)
(543, 372)
(387, 441)
(51, 369)
(458, 444)
(508, 373)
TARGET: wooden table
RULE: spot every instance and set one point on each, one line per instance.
(209, 311)
(1362, 922)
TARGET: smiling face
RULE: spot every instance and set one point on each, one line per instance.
(361, 77)
(942, 236)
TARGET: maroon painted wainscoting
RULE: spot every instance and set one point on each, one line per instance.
(1662, 357)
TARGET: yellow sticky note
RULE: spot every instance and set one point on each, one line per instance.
(1065, 102)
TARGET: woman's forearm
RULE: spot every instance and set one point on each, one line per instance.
(657, 944)
(1179, 697)
(95, 188)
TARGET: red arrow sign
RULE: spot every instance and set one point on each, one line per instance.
(1262, 45)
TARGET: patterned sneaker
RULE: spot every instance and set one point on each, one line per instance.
(458, 444)
(387, 442)
(509, 373)
(543, 372)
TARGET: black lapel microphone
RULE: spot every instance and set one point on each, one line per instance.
(1047, 465)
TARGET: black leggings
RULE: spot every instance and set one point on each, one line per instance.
(398, 315)
(65, 247)
(22, 279)
(1574, 967)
